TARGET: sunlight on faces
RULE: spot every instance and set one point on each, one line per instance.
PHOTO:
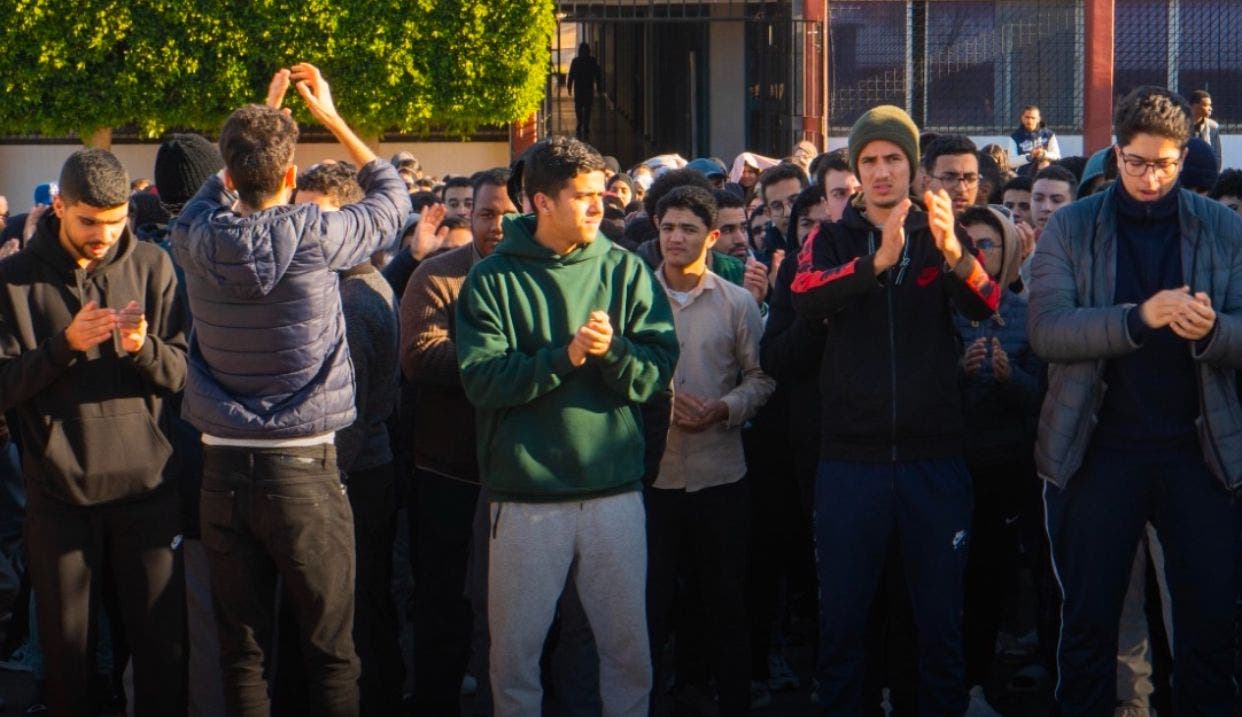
(839, 186)
(684, 238)
(486, 225)
(574, 214)
(749, 176)
(959, 167)
(884, 173)
(1047, 196)
(1030, 120)
(459, 201)
(87, 232)
(732, 240)
(779, 198)
(1018, 201)
(1143, 151)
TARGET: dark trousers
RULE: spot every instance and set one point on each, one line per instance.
(994, 560)
(442, 618)
(1093, 527)
(582, 110)
(269, 512)
(891, 643)
(713, 525)
(859, 509)
(72, 549)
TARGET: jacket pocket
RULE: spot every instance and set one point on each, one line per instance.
(101, 458)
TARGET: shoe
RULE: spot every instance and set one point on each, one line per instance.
(469, 685)
(1133, 711)
(1028, 680)
(780, 675)
(759, 695)
(979, 706)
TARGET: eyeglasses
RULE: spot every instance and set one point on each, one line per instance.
(950, 179)
(777, 206)
(1138, 166)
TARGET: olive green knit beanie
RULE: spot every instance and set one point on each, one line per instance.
(888, 123)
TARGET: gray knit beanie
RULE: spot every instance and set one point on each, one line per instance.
(888, 123)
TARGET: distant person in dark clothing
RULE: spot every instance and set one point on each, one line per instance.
(585, 75)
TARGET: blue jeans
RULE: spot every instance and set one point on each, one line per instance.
(859, 508)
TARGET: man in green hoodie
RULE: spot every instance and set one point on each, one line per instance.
(560, 337)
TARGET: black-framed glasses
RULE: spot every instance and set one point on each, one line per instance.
(1139, 166)
(950, 179)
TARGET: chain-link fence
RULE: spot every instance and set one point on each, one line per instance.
(1184, 45)
(972, 65)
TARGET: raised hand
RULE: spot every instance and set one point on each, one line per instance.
(315, 92)
(90, 327)
(755, 280)
(778, 257)
(940, 220)
(276, 90)
(428, 234)
(892, 237)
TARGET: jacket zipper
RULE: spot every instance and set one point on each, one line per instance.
(892, 359)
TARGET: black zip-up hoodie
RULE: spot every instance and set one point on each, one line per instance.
(93, 424)
(889, 372)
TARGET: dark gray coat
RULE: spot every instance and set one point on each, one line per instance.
(1075, 326)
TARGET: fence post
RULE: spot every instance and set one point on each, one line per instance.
(1097, 120)
(815, 72)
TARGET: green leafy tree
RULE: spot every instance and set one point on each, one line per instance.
(75, 67)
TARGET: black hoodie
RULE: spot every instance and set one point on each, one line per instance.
(889, 373)
(92, 423)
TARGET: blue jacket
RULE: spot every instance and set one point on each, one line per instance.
(1075, 326)
(268, 357)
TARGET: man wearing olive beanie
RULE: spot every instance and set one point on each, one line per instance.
(889, 275)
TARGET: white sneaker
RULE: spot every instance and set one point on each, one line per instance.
(979, 706)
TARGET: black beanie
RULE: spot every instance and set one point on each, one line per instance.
(182, 164)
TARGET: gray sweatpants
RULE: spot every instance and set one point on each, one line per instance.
(531, 550)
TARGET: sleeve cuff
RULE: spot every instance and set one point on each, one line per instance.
(734, 411)
(146, 355)
(561, 365)
(1135, 326)
(59, 351)
(617, 350)
(1202, 345)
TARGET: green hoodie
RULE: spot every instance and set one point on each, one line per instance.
(549, 431)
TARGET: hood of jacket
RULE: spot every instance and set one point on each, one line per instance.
(249, 255)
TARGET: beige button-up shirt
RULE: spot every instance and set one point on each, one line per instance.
(718, 327)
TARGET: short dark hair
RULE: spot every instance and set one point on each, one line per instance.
(1075, 164)
(1018, 183)
(257, 143)
(946, 145)
(695, 199)
(454, 222)
(728, 200)
(926, 138)
(494, 177)
(669, 181)
(455, 183)
(1228, 184)
(422, 200)
(780, 173)
(1152, 110)
(1058, 173)
(1198, 96)
(550, 165)
(338, 181)
(808, 198)
(838, 160)
(94, 177)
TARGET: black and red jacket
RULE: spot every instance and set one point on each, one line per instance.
(889, 372)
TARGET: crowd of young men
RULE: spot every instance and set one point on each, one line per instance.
(620, 424)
